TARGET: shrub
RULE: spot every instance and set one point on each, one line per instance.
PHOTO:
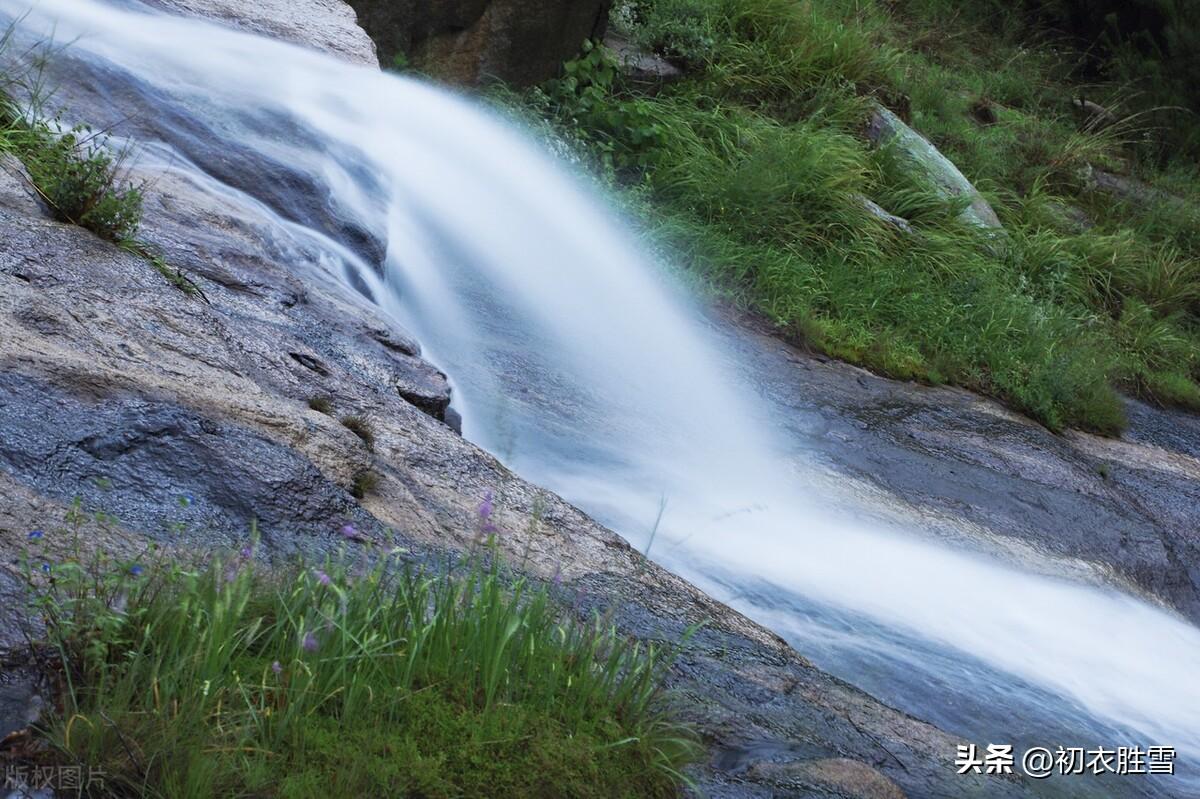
(589, 97)
(81, 182)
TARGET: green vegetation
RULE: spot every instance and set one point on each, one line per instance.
(76, 173)
(384, 680)
(321, 404)
(1146, 52)
(753, 168)
(364, 483)
(80, 181)
(361, 427)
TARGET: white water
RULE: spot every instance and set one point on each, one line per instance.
(583, 368)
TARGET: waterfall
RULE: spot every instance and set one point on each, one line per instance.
(582, 364)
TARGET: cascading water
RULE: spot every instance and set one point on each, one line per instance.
(584, 368)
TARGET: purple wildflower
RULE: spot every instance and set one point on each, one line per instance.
(247, 552)
(323, 578)
(136, 570)
(277, 667)
(350, 532)
(310, 642)
(36, 535)
(46, 568)
(486, 507)
(558, 577)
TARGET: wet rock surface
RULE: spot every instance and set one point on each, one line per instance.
(1124, 511)
(289, 185)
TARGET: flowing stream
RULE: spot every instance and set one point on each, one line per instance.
(577, 360)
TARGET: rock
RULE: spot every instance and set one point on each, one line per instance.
(20, 700)
(326, 25)
(1129, 189)
(969, 472)
(1093, 114)
(837, 776)
(649, 70)
(874, 209)
(467, 42)
(912, 153)
(16, 188)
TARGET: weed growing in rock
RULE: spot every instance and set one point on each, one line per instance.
(79, 177)
(364, 483)
(362, 428)
(82, 183)
(321, 404)
(224, 680)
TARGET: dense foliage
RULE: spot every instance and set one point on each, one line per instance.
(754, 167)
(1147, 50)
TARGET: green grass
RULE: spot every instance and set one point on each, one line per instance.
(387, 680)
(75, 172)
(751, 171)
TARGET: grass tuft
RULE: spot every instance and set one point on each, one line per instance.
(364, 483)
(321, 404)
(76, 171)
(362, 428)
(388, 680)
(81, 181)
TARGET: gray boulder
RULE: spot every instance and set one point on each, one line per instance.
(649, 70)
(326, 25)
(913, 154)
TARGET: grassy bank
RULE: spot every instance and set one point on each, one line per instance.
(753, 168)
(342, 680)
